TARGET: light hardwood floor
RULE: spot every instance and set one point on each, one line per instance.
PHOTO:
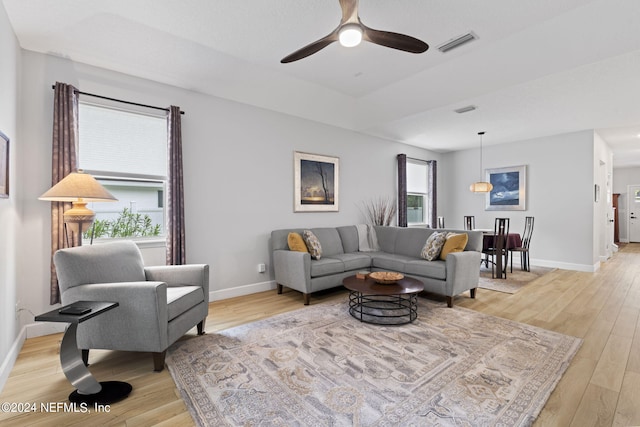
(600, 388)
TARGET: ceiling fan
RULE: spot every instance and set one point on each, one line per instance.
(352, 31)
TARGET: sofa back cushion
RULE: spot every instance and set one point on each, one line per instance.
(329, 240)
(386, 238)
(349, 237)
(410, 241)
(104, 263)
(402, 241)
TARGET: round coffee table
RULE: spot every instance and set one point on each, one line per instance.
(393, 304)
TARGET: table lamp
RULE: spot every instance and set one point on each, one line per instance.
(79, 188)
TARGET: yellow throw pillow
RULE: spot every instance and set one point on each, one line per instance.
(454, 243)
(296, 243)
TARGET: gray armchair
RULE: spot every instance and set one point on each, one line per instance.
(158, 305)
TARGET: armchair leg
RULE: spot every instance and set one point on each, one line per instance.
(201, 327)
(306, 299)
(85, 357)
(158, 361)
(449, 302)
(279, 288)
(472, 292)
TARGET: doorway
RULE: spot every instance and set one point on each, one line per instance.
(634, 213)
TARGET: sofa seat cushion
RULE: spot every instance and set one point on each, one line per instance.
(391, 262)
(435, 269)
(354, 261)
(326, 266)
(182, 298)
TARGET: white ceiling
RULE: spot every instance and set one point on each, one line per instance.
(539, 67)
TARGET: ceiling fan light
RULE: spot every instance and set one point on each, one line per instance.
(481, 187)
(350, 35)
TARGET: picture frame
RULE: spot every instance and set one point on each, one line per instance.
(509, 188)
(316, 182)
(4, 166)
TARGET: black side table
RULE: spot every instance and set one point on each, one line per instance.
(89, 390)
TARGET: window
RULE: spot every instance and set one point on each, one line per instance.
(126, 152)
(418, 194)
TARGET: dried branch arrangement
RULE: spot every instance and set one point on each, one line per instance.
(380, 211)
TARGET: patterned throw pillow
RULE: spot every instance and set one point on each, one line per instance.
(296, 243)
(433, 246)
(454, 243)
(313, 244)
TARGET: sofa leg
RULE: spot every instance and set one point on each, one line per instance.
(201, 326)
(306, 298)
(473, 292)
(279, 288)
(85, 357)
(158, 361)
(449, 302)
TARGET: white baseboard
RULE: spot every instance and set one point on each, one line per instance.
(10, 360)
(242, 290)
(566, 265)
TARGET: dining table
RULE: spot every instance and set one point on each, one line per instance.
(514, 240)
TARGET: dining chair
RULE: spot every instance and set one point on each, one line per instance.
(469, 222)
(524, 249)
(440, 222)
(497, 250)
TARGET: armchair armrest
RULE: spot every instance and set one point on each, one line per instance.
(292, 269)
(180, 275)
(463, 271)
(139, 323)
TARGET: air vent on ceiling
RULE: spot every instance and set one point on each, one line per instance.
(465, 109)
(457, 42)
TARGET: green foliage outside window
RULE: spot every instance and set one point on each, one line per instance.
(128, 224)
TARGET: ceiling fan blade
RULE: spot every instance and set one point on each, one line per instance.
(311, 48)
(394, 40)
(349, 11)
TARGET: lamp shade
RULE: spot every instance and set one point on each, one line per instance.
(78, 186)
(481, 187)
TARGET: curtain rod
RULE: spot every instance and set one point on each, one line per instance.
(119, 100)
(419, 160)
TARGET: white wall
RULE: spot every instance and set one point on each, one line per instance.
(559, 195)
(9, 212)
(238, 163)
(622, 178)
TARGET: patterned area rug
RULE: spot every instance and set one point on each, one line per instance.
(514, 282)
(319, 366)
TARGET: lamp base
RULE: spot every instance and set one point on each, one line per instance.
(77, 220)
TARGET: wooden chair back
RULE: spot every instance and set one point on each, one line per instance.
(528, 231)
(500, 235)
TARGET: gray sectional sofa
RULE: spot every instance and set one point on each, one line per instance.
(399, 251)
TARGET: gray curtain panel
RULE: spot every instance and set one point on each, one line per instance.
(402, 190)
(176, 254)
(64, 161)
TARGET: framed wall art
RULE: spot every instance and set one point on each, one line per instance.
(315, 182)
(4, 165)
(509, 188)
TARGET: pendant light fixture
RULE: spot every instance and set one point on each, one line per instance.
(481, 186)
